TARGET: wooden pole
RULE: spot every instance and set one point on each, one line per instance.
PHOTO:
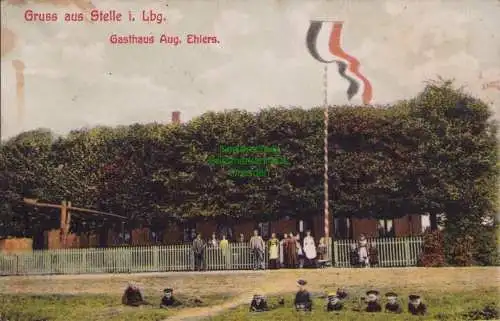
(65, 216)
(67, 225)
(34, 202)
(62, 224)
(325, 147)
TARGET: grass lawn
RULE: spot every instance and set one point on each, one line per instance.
(450, 306)
(85, 307)
(226, 295)
(73, 308)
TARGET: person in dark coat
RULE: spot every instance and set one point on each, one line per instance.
(373, 254)
(334, 303)
(392, 305)
(132, 296)
(258, 304)
(168, 300)
(372, 304)
(354, 256)
(302, 300)
(199, 247)
(415, 305)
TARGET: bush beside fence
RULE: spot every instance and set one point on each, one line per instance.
(392, 252)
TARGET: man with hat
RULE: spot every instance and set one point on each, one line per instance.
(257, 247)
(302, 300)
(333, 302)
(372, 301)
(392, 304)
(199, 248)
(415, 305)
(132, 296)
(168, 299)
(258, 304)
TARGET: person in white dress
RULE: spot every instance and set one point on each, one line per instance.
(214, 242)
(364, 258)
(310, 249)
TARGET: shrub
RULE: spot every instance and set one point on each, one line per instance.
(490, 312)
(461, 251)
(485, 247)
(432, 250)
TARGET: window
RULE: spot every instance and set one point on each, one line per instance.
(425, 222)
(385, 228)
(124, 237)
(342, 228)
(226, 230)
(189, 232)
(156, 237)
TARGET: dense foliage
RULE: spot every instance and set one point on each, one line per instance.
(432, 254)
(433, 154)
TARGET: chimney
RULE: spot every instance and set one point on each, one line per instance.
(176, 117)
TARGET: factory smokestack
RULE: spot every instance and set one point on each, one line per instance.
(176, 117)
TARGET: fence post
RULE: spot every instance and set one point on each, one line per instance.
(407, 251)
(335, 253)
(83, 266)
(156, 258)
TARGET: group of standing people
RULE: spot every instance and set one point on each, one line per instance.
(288, 252)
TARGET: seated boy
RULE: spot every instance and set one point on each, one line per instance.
(132, 296)
(372, 304)
(258, 304)
(415, 305)
(392, 305)
(302, 300)
(333, 303)
(341, 293)
(168, 299)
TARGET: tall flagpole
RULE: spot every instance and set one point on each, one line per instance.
(325, 103)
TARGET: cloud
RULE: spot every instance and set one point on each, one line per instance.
(76, 78)
(44, 72)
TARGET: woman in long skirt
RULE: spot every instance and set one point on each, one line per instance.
(282, 250)
(291, 251)
(310, 249)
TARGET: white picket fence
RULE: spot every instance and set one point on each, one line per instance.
(392, 252)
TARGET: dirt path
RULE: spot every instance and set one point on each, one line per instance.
(197, 314)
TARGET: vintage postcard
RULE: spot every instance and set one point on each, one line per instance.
(249, 160)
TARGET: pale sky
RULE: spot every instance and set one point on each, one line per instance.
(75, 78)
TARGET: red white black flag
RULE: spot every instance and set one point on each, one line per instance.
(323, 43)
